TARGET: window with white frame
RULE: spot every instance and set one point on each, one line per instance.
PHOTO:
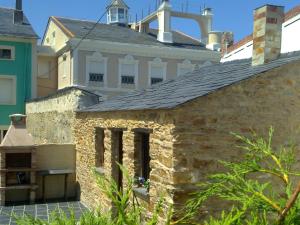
(113, 15)
(96, 69)
(157, 71)
(128, 71)
(7, 90)
(185, 67)
(7, 53)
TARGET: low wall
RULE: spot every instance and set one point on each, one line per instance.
(56, 157)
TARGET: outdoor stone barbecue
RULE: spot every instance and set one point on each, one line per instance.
(17, 163)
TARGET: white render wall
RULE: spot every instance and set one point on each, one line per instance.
(290, 41)
(291, 35)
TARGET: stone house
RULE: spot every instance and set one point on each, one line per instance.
(175, 132)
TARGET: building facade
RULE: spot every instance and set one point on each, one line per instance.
(116, 58)
(18, 43)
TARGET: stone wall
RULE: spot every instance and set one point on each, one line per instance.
(49, 119)
(203, 137)
(160, 152)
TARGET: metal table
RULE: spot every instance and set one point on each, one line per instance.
(54, 172)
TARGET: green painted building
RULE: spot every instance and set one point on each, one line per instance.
(18, 62)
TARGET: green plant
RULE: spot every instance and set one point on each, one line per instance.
(125, 211)
(126, 208)
(248, 185)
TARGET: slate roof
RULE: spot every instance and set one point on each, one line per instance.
(62, 92)
(9, 28)
(204, 81)
(114, 33)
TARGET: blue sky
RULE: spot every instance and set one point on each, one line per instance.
(229, 15)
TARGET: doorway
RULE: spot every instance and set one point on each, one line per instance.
(117, 157)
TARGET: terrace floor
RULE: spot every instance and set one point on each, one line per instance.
(41, 211)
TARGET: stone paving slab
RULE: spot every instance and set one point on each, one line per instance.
(41, 211)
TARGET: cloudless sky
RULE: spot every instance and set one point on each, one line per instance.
(229, 15)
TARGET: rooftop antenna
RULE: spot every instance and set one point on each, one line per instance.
(149, 9)
(182, 7)
(142, 14)
(136, 17)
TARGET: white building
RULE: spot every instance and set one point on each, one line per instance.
(118, 57)
(290, 39)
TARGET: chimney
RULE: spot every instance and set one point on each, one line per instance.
(214, 40)
(227, 41)
(164, 22)
(18, 13)
(208, 15)
(18, 120)
(267, 32)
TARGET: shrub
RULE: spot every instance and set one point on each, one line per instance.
(255, 200)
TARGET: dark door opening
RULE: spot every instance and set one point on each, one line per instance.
(117, 158)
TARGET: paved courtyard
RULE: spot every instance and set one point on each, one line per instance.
(41, 211)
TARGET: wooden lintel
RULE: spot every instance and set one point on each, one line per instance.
(117, 129)
(142, 130)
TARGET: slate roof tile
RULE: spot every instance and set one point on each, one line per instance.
(175, 92)
(9, 28)
(114, 33)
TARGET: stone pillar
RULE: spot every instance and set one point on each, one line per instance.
(267, 34)
(164, 23)
(2, 178)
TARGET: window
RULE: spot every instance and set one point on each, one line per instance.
(96, 70)
(121, 13)
(157, 71)
(156, 80)
(113, 15)
(7, 90)
(96, 77)
(185, 67)
(44, 69)
(127, 79)
(63, 66)
(128, 71)
(99, 147)
(53, 39)
(7, 53)
(142, 154)
(2, 135)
